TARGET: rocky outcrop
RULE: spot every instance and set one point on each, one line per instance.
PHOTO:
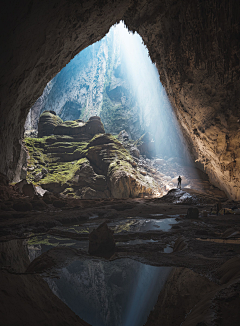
(48, 121)
(51, 124)
(78, 167)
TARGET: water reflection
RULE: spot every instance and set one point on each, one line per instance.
(131, 224)
(120, 293)
(103, 293)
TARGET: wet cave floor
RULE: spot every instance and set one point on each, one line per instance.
(186, 269)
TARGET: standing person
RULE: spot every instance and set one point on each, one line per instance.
(179, 182)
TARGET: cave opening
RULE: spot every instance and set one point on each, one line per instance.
(115, 80)
(98, 187)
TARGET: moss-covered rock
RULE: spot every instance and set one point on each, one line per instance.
(99, 168)
(47, 123)
(92, 127)
(50, 123)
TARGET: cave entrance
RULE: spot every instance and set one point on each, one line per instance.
(116, 80)
(113, 79)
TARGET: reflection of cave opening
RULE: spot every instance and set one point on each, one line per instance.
(116, 80)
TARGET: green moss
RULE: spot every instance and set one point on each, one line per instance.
(63, 159)
(62, 172)
(37, 156)
(41, 156)
(72, 124)
(47, 117)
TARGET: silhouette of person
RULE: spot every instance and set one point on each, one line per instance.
(179, 182)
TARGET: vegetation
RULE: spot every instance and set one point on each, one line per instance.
(55, 162)
(53, 158)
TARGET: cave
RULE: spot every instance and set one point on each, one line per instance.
(196, 50)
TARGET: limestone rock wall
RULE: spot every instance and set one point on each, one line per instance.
(195, 47)
(94, 83)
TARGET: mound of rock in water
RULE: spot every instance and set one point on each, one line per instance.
(79, 159)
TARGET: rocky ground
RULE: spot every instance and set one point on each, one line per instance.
(117, 187)
(204, 284)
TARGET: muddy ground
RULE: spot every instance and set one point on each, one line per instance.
(202, 289)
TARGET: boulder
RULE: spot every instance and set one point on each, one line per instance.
(135, 152)
(101, 241)
(124, 183)
(40, 191)
(28, 190)
(123, 136)
(47, 123)
(192, 213)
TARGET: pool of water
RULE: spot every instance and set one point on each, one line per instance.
(40, 244)
(103, 293)
(119, 293)
(131, 224)
(136, 242)
(144, 225)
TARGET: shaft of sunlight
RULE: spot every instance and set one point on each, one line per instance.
(156, 113)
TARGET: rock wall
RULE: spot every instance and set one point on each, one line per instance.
(94, 83)
(195, 47)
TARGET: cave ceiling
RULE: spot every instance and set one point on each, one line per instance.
(196, 48)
